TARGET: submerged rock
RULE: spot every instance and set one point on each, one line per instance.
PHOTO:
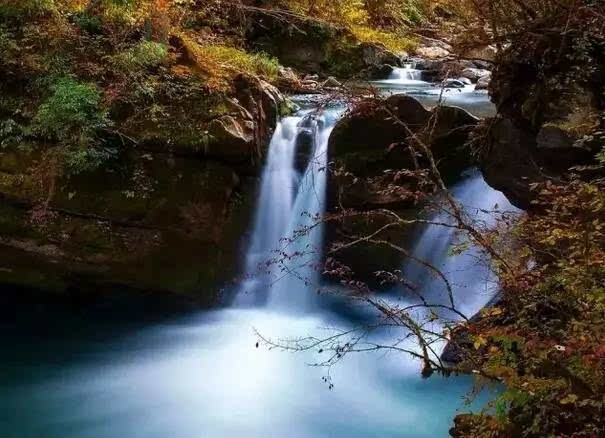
(453, 83)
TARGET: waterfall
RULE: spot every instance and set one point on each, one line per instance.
(473, 284)
(273, 211)
(281, 264)
(283, 258)
(300, 273)
(407, 74)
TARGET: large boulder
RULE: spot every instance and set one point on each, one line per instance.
(265, 103)
(484, 53)
(474, 74)
(368, 141)
(432, 48)
(507, 162)
(368, 148)
(231, 140)
(437, 70)
(234, 129)
(483, 82)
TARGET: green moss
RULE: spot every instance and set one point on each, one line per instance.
(287, 108)
(220, 58)
(88, 23)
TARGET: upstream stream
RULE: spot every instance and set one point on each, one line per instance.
(202, 375)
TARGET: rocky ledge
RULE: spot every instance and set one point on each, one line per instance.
(167, 215)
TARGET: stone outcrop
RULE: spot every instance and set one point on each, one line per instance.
(369, 141)
(437, 70)
(546, 118)
(365, 145)
(315, 46)
(168, 214)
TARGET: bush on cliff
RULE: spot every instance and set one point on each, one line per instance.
(144, 55)
(72, 116)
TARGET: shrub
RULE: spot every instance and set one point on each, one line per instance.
(72, 116)
(145, 55)
(240, 61)
(391, 40)
(88, 23)
(71, 112)
(8, 48)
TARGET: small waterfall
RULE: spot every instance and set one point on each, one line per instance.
(473, 284)
(407, 74)
(281, 268)
(300, 273)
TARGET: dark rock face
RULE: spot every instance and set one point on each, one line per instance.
(167, 215)
(155, 222)
(314, 46)
(438, 70)
(543, 115)
(508, 164)
(380, 72)
(369, 142)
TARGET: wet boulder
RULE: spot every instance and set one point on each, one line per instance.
(376, 54)
(380, 72)
(474, 74)
(483, 82)
(486, 53)
(507, 163)
(432, 48)
(370, 140)
(453, 83)
(368, 148)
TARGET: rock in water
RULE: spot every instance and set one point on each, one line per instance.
(483, 82)
(474, 74)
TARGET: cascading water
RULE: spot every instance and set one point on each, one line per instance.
(472, 283)
(301, 271)
(408, 80)
(273, 212)
(281, 264)
(405, 75)
(202, 375)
